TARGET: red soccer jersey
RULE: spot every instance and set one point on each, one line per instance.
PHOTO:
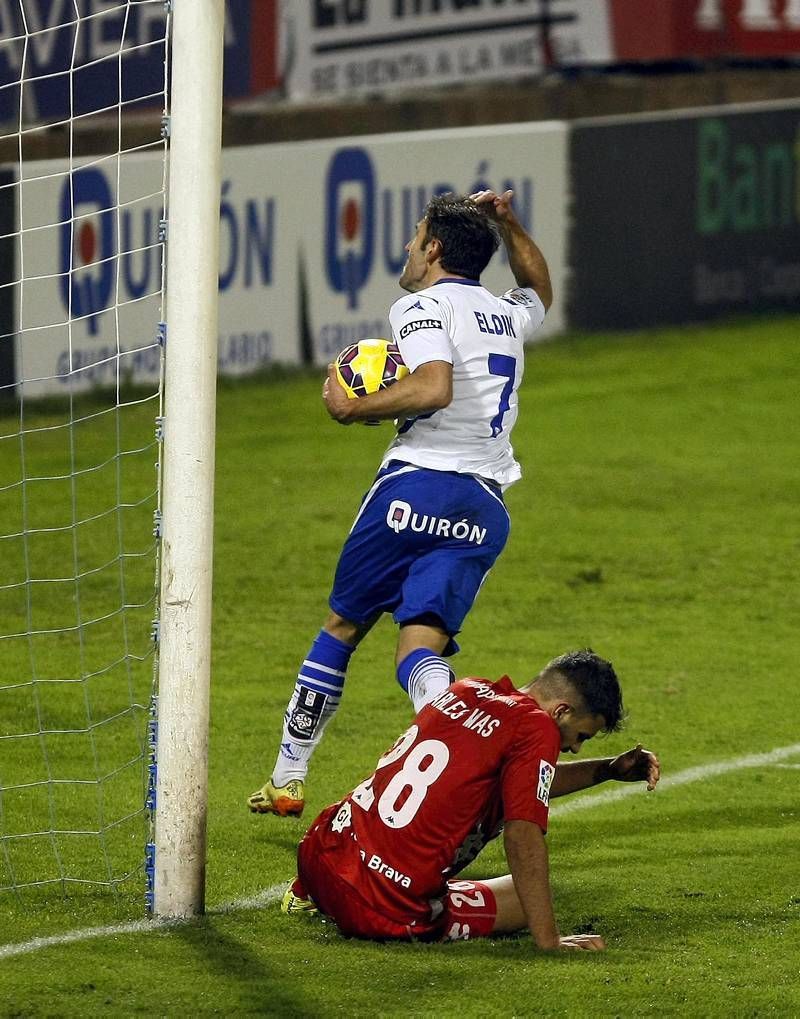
(480, 754)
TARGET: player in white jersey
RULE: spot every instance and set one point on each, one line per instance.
(434, 522)
(458, 322)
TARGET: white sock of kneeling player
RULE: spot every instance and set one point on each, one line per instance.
(424, 675)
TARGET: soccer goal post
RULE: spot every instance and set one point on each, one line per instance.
(104, 373)
(188, 458)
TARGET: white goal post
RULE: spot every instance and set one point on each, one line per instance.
(106, 373)
(188, 457)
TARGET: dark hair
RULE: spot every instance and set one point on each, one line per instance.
(468, 237)
(594, 680)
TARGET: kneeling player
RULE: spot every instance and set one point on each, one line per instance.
(478, 760)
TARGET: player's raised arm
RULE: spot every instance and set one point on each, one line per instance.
(527, 262)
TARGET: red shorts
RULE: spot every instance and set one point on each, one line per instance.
(469, 907)
(470, 911)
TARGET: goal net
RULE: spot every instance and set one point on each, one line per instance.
(83, 97)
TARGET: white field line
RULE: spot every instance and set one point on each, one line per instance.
(264, 898)
(269, 895)
(698, 774)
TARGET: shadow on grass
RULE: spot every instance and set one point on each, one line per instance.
(231, 959)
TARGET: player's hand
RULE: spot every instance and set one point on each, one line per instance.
(497, 207)
(337, 402)
(637, 765)
(582, 943)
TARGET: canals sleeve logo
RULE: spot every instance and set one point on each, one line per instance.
(420, 323)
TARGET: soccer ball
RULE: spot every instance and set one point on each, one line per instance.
(369, 365)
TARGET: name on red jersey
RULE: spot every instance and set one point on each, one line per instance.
(476, 719)
(376, 863)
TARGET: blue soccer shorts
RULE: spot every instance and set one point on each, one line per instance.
(422, 544)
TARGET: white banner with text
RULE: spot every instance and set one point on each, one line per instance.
(368, 47)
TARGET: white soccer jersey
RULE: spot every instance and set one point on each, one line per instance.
(482, 336)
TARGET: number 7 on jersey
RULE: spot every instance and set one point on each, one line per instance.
(505, 366)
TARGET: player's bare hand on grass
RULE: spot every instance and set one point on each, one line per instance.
(336, 400)
(497, 207)
(637, 765)
(582, 943)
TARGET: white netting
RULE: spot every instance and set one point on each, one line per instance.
(82, 205)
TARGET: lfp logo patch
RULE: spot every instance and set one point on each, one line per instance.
(546, 773)
(87, 247)
(350, 222)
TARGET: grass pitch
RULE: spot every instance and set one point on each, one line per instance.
(657, 522)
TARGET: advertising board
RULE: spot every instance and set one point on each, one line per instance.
(312, 242)
(91, 261)
(364, 196)
(767, 28)
(653, 30)
(685, 217)
(363, 47)
(80, 56)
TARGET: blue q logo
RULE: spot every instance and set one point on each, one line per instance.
(350, 222)
(86, 245)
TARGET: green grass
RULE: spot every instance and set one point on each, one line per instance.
(657, 521)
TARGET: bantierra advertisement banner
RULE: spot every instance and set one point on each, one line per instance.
(684, 218)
